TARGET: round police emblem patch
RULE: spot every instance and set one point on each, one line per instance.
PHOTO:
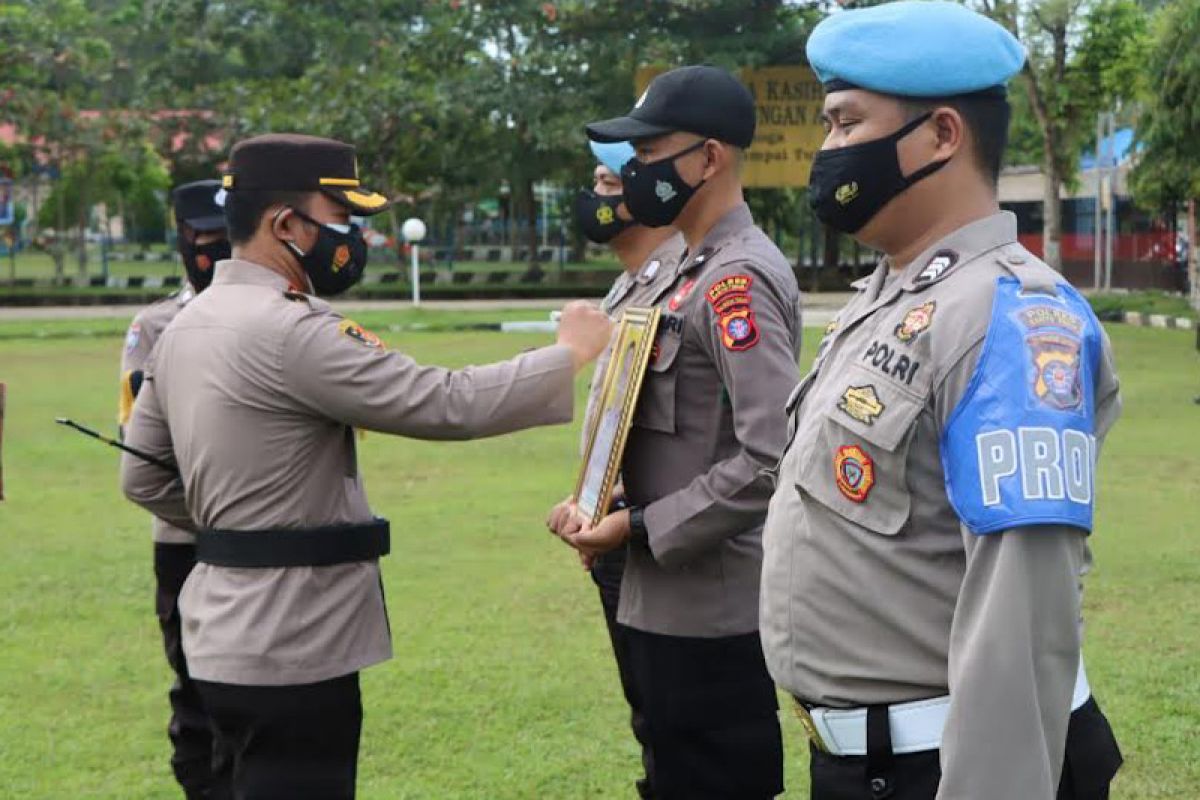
(854, 472)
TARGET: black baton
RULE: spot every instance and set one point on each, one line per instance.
(119, 445)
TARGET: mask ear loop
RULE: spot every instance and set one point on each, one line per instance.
(286, 243)
(928, 169)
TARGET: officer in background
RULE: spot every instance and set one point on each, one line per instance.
(255, 391)
(202, 242)
(709, 422)
(649, 256)
(924, 547)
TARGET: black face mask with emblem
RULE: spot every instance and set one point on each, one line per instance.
(597, 216)
(655, 194)
(336, 261)
(849, 185)
(199, 259)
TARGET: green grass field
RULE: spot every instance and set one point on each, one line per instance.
(502, 685)
(39, 265)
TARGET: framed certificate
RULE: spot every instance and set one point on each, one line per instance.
(613, 413)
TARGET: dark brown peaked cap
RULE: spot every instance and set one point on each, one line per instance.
(295, 162)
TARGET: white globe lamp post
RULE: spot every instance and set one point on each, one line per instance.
(414, 231)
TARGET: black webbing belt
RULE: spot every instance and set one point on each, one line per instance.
(304, 547)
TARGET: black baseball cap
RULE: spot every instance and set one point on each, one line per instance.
(196, 205)
(295, 162)
(706, 101)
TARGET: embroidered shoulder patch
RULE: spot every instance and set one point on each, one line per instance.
(916, 320)
(359, 333)
(738, 330)
(133, 336)
(730, 285)
(854, 472)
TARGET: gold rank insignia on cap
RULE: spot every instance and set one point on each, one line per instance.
(861, 403)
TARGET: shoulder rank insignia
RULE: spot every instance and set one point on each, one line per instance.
(939, 265)
(916, 320)
(359, 333)
(854, 472)
(861, 403)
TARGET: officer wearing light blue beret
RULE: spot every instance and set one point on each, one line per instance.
(924, 546)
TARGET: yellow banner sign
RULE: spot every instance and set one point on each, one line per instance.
(789, 132)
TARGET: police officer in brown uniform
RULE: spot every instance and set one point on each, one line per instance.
(924, 546)
(649, 256)
(255, 391)
(708, 423)
(202, 242)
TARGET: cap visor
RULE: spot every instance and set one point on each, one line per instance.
(625, 129)
(214, 223)
(363, 202)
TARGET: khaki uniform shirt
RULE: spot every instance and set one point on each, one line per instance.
(255, 391)
(140, 339)
(874, 592)
(629, 291)
(709, 422)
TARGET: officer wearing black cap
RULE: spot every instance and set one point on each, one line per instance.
(254, 392)
(929, 529)
(202, 242)
(708, 424)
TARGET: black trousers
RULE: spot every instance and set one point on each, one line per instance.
(1091, 762)
(607, 574)
(712, 720)
(287, 742)
(190, 729)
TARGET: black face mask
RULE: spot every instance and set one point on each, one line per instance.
(654, 193)
(849, 185)
(199, 259)
(336, 261)
(597, 216)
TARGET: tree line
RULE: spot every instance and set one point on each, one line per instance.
(446, 100)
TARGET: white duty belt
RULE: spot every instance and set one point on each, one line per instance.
(916, 726)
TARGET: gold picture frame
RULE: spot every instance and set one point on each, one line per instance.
(613, 413)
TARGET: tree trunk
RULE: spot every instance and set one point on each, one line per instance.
(1051, 215)
(529, 200)
(1193, 256)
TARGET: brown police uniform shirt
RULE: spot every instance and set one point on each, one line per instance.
(255, 392)
(874, 592)
(140, 339)
(709, 421)
(629, 291)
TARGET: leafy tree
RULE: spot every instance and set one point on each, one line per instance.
(1168, 169)
(1079, 64)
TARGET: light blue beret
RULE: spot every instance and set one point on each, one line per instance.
(612, 154)
(913, 48)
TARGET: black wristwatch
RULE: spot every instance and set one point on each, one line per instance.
(637, 525)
